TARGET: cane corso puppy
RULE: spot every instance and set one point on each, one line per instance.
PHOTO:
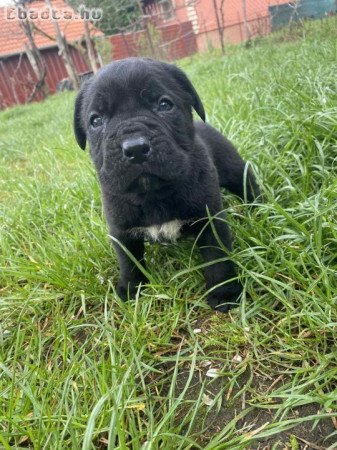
(160, 172)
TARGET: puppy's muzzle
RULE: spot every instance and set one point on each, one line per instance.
(136, 150)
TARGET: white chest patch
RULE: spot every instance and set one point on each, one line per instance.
(168, 231)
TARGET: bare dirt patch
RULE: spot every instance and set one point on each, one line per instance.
(307, 435)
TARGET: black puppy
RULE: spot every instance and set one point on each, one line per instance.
(160, 172)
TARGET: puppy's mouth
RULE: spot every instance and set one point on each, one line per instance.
(147, 184)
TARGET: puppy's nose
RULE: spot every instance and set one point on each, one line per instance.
(136, 150)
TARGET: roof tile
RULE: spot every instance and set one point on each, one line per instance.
(13, 39)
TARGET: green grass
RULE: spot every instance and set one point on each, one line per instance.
(80, 369)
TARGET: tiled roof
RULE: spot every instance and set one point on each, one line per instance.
(13, 39)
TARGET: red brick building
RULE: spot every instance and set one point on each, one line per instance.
(189, 26)
(206, 18)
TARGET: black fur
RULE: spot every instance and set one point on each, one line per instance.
(184, 164)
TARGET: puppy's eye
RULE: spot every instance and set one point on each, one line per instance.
(96, 121)
(165, 104)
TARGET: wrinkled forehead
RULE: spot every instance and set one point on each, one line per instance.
(120, 82)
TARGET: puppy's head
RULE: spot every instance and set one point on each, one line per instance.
(136, 115)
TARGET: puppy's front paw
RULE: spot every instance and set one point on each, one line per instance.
(126, 292)
(225, 297)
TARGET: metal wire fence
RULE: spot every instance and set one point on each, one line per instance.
(163, 29)
(197, 25)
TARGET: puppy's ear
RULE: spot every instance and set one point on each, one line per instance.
(182, 79)
(79, 129)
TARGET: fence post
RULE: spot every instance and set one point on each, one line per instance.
(147, 31)
(220, 29)
(245, 22)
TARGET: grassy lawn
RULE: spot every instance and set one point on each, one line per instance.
(81, 370)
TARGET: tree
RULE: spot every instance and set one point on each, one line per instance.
(33, 54)
(90, 48)
(64, 50)
(117, 14)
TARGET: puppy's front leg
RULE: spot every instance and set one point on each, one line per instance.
(235, 176)
(225, 296)
(130, 275)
